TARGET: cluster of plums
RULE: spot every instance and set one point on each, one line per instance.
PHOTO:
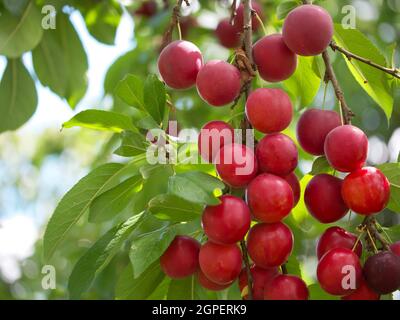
(218, 82)
(271, 187)
(337, 250)
(365, 190)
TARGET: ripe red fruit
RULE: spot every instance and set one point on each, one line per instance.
(220, 263)
(218, 83)
(362, 293)
(277, 154)
(382, 272)
(334, 269)
(239, 19)
(147, 9)
(179, 63)
(227, 34)
(274, 60)
(286, 287)
(307, 30)
(213, 136)
(395, 247)
(236, 165)
(261, 276)
(270, 198)
(295, 185)
(227, 222)
(270, 245)
(313, 127)
(269, 110)
(346, 148)
(181, 258)
(208, 284)
(323, 198)
(366, 191)
(336, 237)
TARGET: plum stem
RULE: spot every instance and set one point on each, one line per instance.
(370, 224)
(176, 14)
(233, 11)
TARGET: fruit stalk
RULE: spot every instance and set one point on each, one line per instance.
(167, 38)
(233, 11)
(369, 222)
(347, 114)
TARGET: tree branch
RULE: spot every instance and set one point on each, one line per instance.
(330, 75)
(249, 64)
(233, 11)
(347, 114)
(248, 270)
(349, 55)
(176, 14)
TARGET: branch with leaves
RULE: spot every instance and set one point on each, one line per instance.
(395, 72)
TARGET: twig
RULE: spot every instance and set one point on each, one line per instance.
(176, 14)
(370, 223)
(349, 55)
(330, 75)
(233, 12)
(248, 271)
(284, 269)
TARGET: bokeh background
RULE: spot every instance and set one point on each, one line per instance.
(39, 162)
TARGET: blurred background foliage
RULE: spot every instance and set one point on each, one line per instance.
(38, 163)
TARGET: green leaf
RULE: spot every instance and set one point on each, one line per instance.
(60, 61)
(378, 86)
(130, 90)
(284, 8)
(102, 21)
(20, 34)
(392, 172)
(16, 7)
(303, 85)
(98, 256)
(293, 266)
(195, 186)
(320, 165)
(155, 97)
(156, 182)
(172, 208)
(393, 232)
(18, 96)
(132, 144)
(147, 123)
(186, 289)
(76, 202)
(112, 202)
(148, 248)
(129, 287)
(101, 120)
